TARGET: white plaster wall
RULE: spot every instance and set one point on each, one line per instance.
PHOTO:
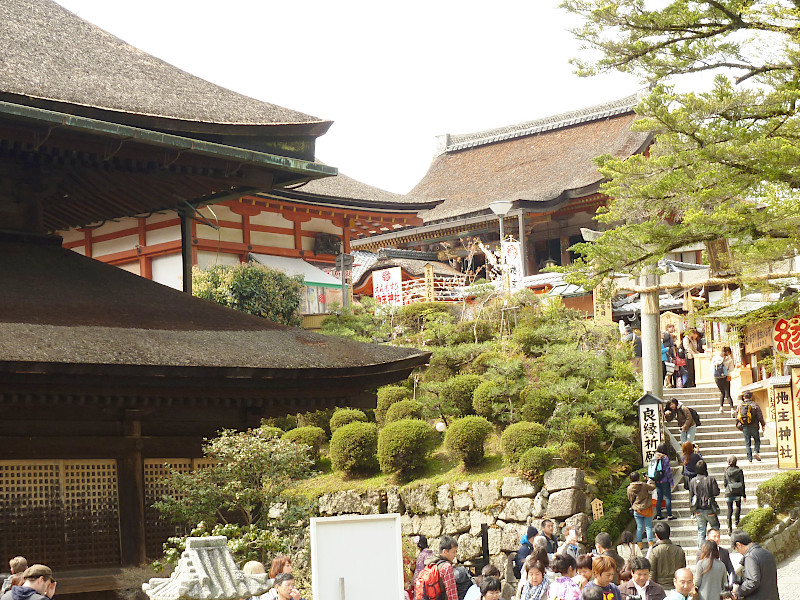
(132, 267)
(262, 238)
(322, 225)
(129, 242)
(209, 259)
(71, 235)
(271, 218)
(168, 270)
(167, 234)
(225, 234)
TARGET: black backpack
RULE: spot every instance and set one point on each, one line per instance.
(695, 416)
(463, 580)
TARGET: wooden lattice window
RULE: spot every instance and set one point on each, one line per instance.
(157, 530)
(64, 513)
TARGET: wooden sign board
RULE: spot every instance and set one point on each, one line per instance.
(602, 308)
(670, 318)
(757, 337)
(597, 509)
(429, 289)
(787, 420)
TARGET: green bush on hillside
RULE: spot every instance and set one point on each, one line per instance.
(388, 395)
(571, 454)
(459, 390)
(520, 437)
(310, 435)
(465, 439)
(403, 446)
(404, 409)
(758, 522)
(484, 398)
(354, 448)
(535, 462)
(615, 514)
(538, 403)
(780, 491)
(413, 317)
(585, 432)
(316, 418)
(343, 416)
(269, 432)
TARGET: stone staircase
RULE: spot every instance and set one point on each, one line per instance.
(716, 438)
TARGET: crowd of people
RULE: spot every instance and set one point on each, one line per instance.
(624, 572)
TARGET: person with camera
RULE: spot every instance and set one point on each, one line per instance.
(640, 585)
(760, 575)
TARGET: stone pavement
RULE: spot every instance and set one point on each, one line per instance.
(789, 577)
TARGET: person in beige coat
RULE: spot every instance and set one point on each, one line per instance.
(640, 494)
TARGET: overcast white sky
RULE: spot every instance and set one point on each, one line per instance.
(391, 76)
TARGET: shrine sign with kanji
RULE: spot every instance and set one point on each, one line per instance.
(649, 425)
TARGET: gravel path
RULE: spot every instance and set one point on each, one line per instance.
(789, 577)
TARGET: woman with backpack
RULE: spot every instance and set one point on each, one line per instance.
(687, 419)
(689, 460)
(734, 490)
(661, 474)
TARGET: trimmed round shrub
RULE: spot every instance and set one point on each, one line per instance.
(354, 448)
(585, 432)
(403, 446)
(404, 409)
(758, 522)
(484, 398)
(538, 404)
(571, 454)
(483, 361)
(269, 432)
(316, 418)
(465, 438)
(520, 437)
(535, 462)
(459, 390)
(388, 395)
(779, 491)
(310, 435)
(343, 416)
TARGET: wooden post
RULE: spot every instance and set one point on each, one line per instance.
(186, 248)
(523, 244)
(130, 483)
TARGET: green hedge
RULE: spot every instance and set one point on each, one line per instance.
(780, 491)
(311, 436)
(585, 432)
(758, 522)
(343, 416)
(354, 448)
(269, 432)
(465, 439)
(404, 409)
(459, 390)
(615, 514)
(403, 446)
(538, 403)
(486, 395)
(521, 437)
(535, 462)
(388, 395)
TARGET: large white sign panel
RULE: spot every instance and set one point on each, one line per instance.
(387, 286)
(650, 429)
(512, 259)
(357, 557)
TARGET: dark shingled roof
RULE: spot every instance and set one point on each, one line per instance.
(539, 161)
(60, 307)
(354, 193)
(51, 54)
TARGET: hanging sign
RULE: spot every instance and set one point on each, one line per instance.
(602, 308)
(387, 286)
(429, 288)
(511, 258)
(758, 337)
(649, 425)
(786, 336)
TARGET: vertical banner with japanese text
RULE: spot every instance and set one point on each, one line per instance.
(387, 286)
(787, 419)
(786, 336)
(649, 428)
(512, 259)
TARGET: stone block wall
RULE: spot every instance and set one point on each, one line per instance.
(507, 506)
(784, 538)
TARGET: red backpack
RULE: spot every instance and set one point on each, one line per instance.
(429, 584)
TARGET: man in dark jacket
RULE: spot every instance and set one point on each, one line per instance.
(724, 555)
(38, 585)
(604, 546)
(703, 491)
(760, 577)
(750, 424)
(665, 557)
(549, 534)
(640, 583)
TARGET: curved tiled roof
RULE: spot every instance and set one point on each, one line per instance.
(545, 161)
(50, 54)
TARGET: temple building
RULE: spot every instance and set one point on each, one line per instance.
(544, 170)
(106, 376)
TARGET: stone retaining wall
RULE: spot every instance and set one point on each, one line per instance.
(507, 506)
(784, 538)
